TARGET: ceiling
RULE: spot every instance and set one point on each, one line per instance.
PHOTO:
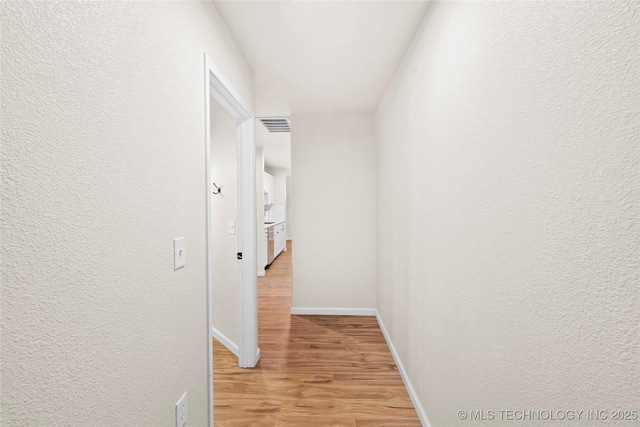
(312, 57)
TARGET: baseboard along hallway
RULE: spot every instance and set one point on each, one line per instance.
(313, 371)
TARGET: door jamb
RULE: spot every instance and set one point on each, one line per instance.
(218, 87)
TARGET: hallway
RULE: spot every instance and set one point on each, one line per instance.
(314, 370)
(467, 170)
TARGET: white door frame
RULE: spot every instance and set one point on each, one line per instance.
(218, 87)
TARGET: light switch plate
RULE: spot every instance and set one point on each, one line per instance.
(179, 255)
(181, 411)
(232, 227)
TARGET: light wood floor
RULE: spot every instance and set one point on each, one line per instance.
(313, 371)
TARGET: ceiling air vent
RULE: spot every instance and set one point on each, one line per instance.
(276, 124)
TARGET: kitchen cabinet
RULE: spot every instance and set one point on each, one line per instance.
(266, 247)
(269, 188)
(275, 241)
(280, 239)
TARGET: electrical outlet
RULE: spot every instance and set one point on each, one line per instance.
(181, 411)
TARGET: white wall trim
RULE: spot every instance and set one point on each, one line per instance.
(208, 227)
(403, 373)
(321, 311)
(247, 273)
(225, 341)
(220, 88)
(261, 273)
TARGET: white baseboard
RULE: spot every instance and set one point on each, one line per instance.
(333, 311)
(261, 273)
(403, 373)
(225, 341)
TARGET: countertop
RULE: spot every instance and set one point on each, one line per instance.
(272, 225)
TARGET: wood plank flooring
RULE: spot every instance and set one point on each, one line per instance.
(313, 371)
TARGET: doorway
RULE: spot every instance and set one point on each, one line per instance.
(224, 214)
(218, 88)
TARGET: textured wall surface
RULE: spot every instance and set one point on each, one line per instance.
(102, 166)
(333, 171)
(224, 208)
(508, 205)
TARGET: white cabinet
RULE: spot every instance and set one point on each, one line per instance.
(269, 188)
(280, 239)
(266, 247)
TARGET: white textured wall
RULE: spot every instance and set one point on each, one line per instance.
(333, 162)
(508, 201)
(102, 166)
(224, 208)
